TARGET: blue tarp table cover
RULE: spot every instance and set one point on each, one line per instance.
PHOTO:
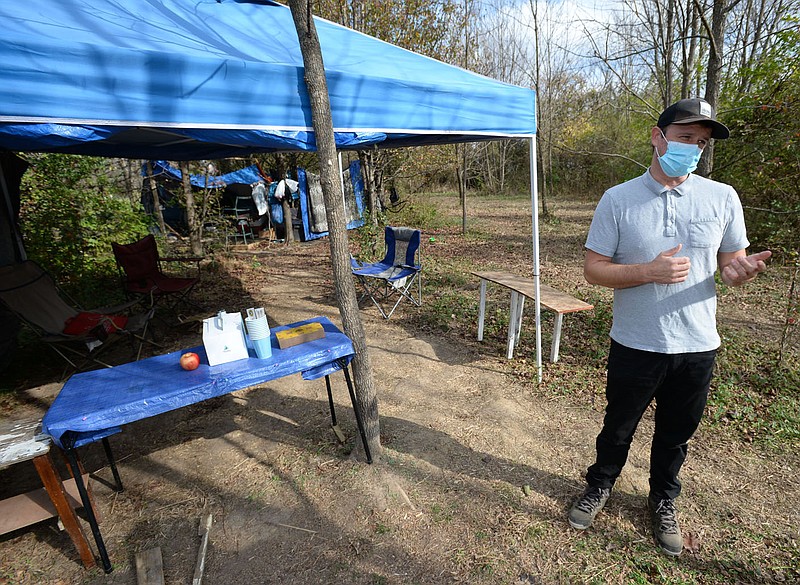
(92, 405)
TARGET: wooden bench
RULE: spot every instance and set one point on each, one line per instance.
(552, 299)
(19, 442)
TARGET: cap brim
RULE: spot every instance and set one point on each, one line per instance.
(718, 130)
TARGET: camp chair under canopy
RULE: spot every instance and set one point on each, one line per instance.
(241, 219)
(77, 336)
(396, 275)
(139, 265)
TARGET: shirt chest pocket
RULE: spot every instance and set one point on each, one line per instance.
(705, 233)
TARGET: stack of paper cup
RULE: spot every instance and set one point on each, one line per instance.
(258, 332)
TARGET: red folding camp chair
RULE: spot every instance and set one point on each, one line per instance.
(139, 265)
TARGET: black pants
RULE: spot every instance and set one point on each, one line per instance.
(679, 383)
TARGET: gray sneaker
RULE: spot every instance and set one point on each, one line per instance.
(666, 530)
(587, 506)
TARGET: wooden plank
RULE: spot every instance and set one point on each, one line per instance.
(200, 567)
(553, 299)
(35, 506)
(149, 567)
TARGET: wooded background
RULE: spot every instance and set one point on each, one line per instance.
(602, 71)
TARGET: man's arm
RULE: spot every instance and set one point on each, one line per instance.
(666, 268)
(737, 268)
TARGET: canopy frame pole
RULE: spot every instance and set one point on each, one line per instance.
(536, 269)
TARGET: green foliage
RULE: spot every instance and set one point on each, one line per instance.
(762, 157)
(70, 213)
(424, 26)
(753, 395)
(418, 213)
(368, 240)
(605, 142)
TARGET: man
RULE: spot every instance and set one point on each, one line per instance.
(658, 240)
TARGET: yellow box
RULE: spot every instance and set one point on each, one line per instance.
(298, 335)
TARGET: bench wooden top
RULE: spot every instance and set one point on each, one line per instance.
(19, 441)
(553, 299)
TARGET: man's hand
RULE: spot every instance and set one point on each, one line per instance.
(666, 268)
(741, 269)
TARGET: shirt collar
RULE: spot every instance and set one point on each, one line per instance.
(657, 188)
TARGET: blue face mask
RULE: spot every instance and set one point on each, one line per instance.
(680, 159)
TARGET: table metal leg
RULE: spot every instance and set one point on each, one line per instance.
(518, 319)
(334, 423)
(113, 464)
(357, 411)
(89, 510)
(330, 400)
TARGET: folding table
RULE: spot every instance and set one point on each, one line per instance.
(94, 405)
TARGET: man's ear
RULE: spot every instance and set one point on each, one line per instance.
(656, 137)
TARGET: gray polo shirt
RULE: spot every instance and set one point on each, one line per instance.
(639, 219)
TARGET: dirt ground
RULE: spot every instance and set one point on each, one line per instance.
(473, 486)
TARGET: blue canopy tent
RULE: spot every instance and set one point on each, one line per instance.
(205, 79)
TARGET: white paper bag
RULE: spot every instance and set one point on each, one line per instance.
(223, 338)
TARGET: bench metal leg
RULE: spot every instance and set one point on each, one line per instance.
(556, 337)
(481, 309)
(518, 319)
(512, 323)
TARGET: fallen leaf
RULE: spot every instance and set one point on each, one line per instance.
(691, 542)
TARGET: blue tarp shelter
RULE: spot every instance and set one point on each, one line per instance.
(312, 207)
(205, 79)
(247, 175)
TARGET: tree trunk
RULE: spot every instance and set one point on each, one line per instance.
(461, 174)
(713, 76)
(317, 86)
(286, 202)
(191, 213)
(156, 200)
(369, 185)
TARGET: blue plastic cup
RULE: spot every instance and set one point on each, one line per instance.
(263, 348)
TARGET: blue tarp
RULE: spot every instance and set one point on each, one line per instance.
(95, 404)
(354, 202)
(205, 79)
(245, 176)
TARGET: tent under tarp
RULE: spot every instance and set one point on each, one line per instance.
(311, 221)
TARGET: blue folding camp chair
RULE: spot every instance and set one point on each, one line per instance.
(396, 274)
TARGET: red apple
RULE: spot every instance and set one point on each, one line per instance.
(190, 361)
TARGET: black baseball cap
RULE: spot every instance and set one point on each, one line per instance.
(690, 111)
